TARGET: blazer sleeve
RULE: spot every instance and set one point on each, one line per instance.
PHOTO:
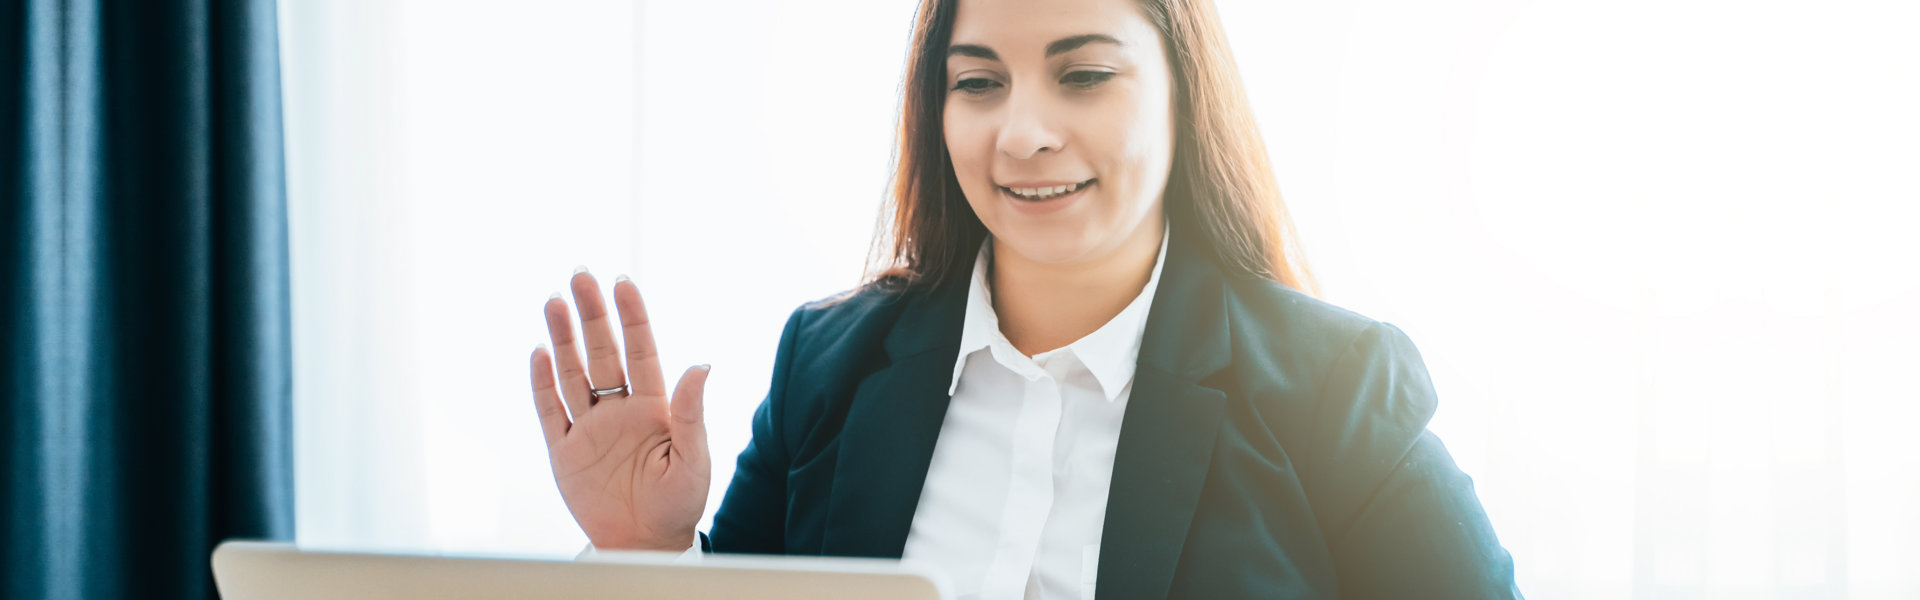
(1401, 520)
(752, 515)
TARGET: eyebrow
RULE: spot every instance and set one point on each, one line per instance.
(1059, 46)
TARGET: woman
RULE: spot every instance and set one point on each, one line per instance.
(1092, 362)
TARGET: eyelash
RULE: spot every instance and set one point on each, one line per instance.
(1092, 79)
(985, 84)
(1096, 78)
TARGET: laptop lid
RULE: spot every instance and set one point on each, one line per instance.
(251, 570)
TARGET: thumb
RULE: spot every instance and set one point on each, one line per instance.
(687, 426)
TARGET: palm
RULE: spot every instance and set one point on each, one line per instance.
(631, 466)
(619, 472)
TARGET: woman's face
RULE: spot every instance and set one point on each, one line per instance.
(1059, 123)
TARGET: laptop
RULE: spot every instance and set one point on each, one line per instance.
(252, 570)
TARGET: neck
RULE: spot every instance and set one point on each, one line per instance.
(1044, 306)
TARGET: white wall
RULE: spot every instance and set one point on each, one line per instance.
(1654, 253)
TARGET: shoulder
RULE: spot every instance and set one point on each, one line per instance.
(826, 348)
(1321, 372)
(846, 321)
(833, 341)
(1277, 326)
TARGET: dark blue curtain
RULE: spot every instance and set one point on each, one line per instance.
(145, 364)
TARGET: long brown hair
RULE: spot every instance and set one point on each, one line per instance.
(1220, 187)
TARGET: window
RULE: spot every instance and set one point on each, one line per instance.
(1656, 256)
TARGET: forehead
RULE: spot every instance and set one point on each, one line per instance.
(1021, 27)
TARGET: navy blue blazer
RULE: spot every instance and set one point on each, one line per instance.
(1274, 446)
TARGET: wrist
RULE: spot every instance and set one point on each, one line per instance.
(676, 543)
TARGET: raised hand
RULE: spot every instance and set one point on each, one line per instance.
(631, 464)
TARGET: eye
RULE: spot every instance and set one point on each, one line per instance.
(1086, 79)
(976, 85)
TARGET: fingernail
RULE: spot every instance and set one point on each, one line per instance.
(708, 368)
(555, 296)
(622, 277)
(580, 269)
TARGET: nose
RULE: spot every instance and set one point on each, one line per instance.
(1030, 127)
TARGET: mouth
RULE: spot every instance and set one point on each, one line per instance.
(1044, 193)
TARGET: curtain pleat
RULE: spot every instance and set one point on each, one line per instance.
(147, 368)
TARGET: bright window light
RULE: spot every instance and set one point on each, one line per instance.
(1657, 255)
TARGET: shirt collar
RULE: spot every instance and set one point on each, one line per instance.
(1111, 352)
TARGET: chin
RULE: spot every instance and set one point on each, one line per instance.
(1050, 243)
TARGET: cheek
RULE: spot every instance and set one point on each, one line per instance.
(970, 151)
(963, 141)
(1141, 138)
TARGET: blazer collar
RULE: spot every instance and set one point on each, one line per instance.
(1166, 438)
(1188, 328)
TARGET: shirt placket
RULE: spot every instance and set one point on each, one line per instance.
(1030, 488)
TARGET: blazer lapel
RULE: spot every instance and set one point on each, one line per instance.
(1167, 436)
(888, 436)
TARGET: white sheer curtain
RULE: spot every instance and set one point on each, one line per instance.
(1656, 254)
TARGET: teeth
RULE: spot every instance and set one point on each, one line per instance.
(1044, 193)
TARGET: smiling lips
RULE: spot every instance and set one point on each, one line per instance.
(1044, 192)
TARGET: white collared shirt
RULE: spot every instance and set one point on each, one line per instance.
(1016, 493)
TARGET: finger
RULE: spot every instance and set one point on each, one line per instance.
(573, 377)
(643, 358)
(687, 425)
(596, 330)
(546, 398)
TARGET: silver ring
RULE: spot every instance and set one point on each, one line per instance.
(621, 389)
